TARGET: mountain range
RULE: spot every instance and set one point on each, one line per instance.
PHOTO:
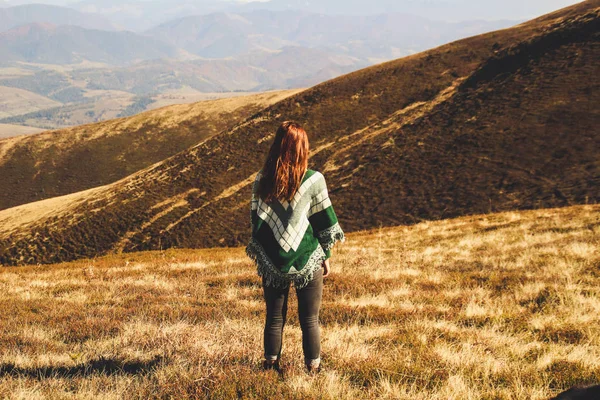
(77, 74)
(378, 37)
(501, 121)
(46, 43)
(226, 35)
(12, 17)
(140, 16)
(457, 10)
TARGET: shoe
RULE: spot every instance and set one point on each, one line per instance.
(268, 366)
(313, 370)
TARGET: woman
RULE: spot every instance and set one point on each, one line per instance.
(294, 228)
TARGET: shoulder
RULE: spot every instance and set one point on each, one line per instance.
(313, 176)
(309, 173)
(314, 181)
(316, 173)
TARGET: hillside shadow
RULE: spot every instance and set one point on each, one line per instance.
(107, 366)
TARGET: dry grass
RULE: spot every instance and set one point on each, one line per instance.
(502, 306)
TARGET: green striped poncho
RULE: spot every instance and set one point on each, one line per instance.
(290, 241)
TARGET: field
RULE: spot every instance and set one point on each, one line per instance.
(7, 130)
(15, 101)
(498, 306)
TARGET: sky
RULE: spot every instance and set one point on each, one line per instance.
(550, 4)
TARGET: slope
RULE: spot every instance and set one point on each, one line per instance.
(54, 163)
(465, 127)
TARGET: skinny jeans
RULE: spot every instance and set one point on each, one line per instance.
(309, 303)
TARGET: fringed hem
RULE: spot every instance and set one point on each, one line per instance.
(329, 236)
(275, 278)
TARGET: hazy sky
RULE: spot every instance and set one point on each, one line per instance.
(549, 4)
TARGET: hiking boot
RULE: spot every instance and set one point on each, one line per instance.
(271, 366)
(312, 370)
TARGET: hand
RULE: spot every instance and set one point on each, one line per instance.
(326, 267)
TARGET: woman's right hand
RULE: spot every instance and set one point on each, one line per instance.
(326, 267)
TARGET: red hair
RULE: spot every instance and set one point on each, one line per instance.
(285, 165)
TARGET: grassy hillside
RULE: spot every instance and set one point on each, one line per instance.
(55, 163)
(501, 121)
(502, 306)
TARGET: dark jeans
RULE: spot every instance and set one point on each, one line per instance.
(309, 303)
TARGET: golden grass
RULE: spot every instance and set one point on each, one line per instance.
(16, 220)
(501, 306)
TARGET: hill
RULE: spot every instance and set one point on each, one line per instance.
(69, 44)
(500, 121)
(129, 14)
(254, 72)
(373, 37)
(452, 309)
(433, 9)
(54, 163)
(11, 17)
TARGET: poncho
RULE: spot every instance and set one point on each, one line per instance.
(290, 240)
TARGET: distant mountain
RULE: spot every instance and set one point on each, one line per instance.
(225, 35)
(54, 163)
(256, 72)
(92, 94)
(378, 37)
(444, 10)
(138, 15)
(502, 121)
(219, 52)
(11, 17)
(219, 35)
(68, 44)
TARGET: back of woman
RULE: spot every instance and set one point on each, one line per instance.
(294, 228)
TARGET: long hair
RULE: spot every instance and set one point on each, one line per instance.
(285, 165)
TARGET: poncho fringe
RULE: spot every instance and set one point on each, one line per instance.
(278, 279)
(329, 236)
